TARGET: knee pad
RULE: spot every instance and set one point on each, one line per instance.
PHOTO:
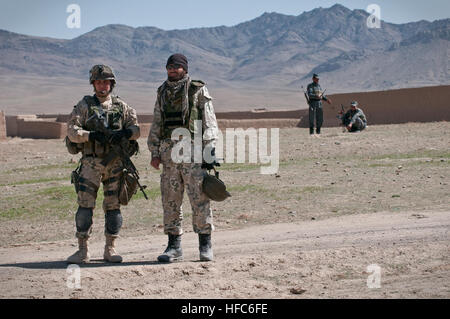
(113, 222)
(83, 219)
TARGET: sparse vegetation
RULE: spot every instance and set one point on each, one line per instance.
(317, 178)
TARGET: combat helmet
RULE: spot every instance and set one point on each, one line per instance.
(214, 188)
(102, 72)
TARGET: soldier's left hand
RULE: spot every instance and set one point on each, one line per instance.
(117, 136)
(210, 166)
(329, 101)
(212, 160)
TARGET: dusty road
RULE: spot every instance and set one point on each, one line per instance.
(311, 259)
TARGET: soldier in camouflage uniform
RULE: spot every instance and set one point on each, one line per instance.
(95, 146)
(315, 95)
(356, 118)
(180, 101)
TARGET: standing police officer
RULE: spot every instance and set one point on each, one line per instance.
(180, 102)
(95, 146)
(315, 95)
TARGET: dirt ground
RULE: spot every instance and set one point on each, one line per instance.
(338, 204)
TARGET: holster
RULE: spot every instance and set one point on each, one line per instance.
(75, 177)
(73, 148)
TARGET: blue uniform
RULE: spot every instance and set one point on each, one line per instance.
(315, 94)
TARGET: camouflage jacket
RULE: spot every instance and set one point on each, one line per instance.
(202, 101)
(353, 115)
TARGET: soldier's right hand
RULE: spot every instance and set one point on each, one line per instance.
(97, 136)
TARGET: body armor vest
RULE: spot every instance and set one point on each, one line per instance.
(114, 121)
(172, 113)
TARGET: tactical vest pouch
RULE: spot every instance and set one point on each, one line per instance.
(73, 148)
(128, 187)
(75, 178)
(173, 115)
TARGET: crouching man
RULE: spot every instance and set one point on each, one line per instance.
(354, 119)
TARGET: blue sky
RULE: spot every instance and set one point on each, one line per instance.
(48, 17)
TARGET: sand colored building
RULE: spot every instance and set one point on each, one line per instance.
(2, 126)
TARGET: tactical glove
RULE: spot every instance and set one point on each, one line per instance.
(97, 136)
(117, 136)
(210, 166)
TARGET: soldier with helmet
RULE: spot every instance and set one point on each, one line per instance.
(182, 101)
(94, 169)
(315, 96)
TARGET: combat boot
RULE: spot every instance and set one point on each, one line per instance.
(173, 251)
(206, 253)
(82, 256)
(110, 253)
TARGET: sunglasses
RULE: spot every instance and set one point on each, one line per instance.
(173, 67)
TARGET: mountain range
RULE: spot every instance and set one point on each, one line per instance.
(272, 52)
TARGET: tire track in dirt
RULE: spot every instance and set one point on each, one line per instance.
(267, 261)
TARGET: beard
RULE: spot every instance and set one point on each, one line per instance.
(176, 77)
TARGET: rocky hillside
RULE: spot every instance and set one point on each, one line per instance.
(273, 50)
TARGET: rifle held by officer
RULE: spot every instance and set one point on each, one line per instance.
(306, 95)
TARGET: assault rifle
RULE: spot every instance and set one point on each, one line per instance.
(341, 112)
(98, 122)
(345, 120)
(306, 95)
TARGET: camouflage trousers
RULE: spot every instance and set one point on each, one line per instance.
(91, 174)
(174, 178)
(359, 125)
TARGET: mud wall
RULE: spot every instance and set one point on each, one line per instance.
(41, 129)
(2, 126)
(428, 104)
(257, 123)
(12, 123)
(249, 115)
